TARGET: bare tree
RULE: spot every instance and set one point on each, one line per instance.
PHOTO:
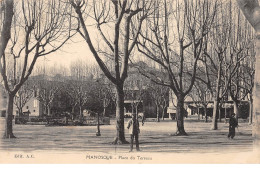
(205, 78)
(124, 19)
(38, 29)
(134, 88)
(78, 92)
(22, 97)
(240, 44)
(247, 76)
(6, 15)
(215, 52)
(165, 101)
(177, 46)
(46, 92)
(201, 96)
(79, 70)
(105, 93)
(251, 10)
(223, 53)
(79, 85)
(159, 95)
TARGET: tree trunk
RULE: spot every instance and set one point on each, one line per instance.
(81, 117)
(104, 111)
(20, 111)
(202, 116)
(214, 125)
(120, 133)
(73, 112)
(236, 109)
(163, 112)
(132, 108)
(80, 111)
(9, 118)
(225, 113)
(205, 111)
(219, 112)
(198, 111)
(46, 110)
(250, 121)
(49, 110)
(214, 117)
(180, 116)
(98, 126)
(158, 113)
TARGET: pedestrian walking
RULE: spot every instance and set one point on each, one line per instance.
(232, 126)
(133, 126)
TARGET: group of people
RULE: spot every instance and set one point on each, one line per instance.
(134, 130)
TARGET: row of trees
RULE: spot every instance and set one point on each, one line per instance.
(189, 40)
(251, 10)
(77, 88)
(65, 92)
(228, 58)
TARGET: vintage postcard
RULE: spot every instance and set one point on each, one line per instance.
(129, 82)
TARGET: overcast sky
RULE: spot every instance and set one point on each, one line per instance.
(71, 51)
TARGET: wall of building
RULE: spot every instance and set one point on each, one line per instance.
(34, 106)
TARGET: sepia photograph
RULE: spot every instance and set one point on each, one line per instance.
(129, 82)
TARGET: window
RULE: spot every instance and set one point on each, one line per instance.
(27, 107)
(35, 103)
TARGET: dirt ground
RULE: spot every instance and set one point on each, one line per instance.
(155, 137)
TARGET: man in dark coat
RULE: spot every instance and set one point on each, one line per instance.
(133, 126)
(232, 125)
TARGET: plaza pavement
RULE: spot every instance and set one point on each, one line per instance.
(155, 138)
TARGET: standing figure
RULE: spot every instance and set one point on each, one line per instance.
(232, 125)
(133, 126)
